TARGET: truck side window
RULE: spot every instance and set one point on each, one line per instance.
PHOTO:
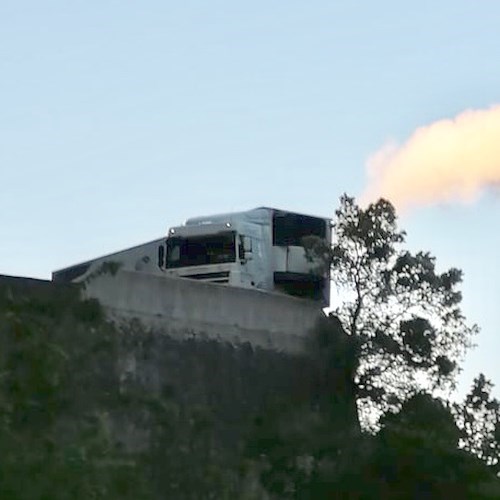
(245, 247)
(175, 253)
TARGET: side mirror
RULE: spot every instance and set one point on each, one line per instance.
(161, 256)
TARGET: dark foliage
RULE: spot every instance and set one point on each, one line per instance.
(478, 419)
(405, 315)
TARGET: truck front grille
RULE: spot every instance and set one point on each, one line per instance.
(218, 277)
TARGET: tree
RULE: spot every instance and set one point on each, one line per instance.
(397, 316)
(397, 330)
(478, 419)
(416, 455)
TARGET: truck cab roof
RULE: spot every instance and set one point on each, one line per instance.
(256, 215)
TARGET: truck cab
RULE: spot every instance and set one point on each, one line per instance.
(260, 248)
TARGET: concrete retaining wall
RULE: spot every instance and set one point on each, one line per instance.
(181, 307)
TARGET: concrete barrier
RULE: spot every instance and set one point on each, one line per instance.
(182, 308)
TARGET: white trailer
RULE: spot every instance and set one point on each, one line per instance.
(260, 249)
(142, 258)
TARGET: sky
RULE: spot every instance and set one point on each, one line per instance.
(119, 119)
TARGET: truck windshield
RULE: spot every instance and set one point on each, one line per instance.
(201, 250)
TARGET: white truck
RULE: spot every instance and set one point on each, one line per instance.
(260, 248)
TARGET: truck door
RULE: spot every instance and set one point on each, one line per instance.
(245, 259)
(250, 259)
